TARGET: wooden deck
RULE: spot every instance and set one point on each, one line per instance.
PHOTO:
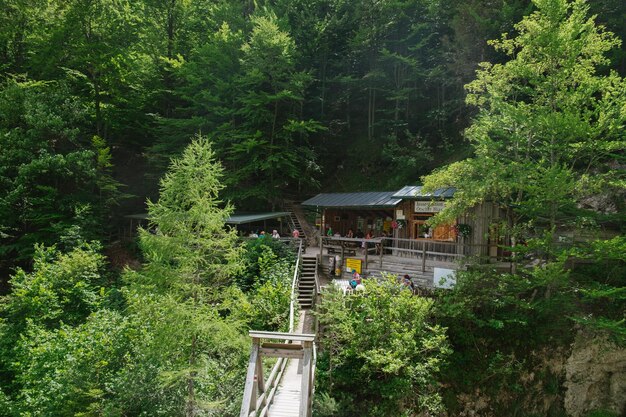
(415, 257)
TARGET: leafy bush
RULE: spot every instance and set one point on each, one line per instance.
(71, 370)
(379, 354)
(260, 252)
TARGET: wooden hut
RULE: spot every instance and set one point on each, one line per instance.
(403, 215)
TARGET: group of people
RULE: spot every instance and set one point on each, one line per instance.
(371, 234)
(275, 235)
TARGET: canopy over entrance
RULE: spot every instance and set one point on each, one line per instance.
(236, 218)
(243, 218)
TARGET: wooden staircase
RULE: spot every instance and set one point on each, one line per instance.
(306, 285)
(293, 219)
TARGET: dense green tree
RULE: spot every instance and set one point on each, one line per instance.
(548, 125)
(206, 92)
(266, 148)
(72, 370)
(55, 181)
(62, 289)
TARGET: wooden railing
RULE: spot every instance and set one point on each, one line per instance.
(419, 249)
(259, 393)
(294, 287)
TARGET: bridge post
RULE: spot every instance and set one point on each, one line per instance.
(249, 394)
(306, 379)
(259, 378)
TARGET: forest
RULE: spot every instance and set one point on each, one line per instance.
(192, 109)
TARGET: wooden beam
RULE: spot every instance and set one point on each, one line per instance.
(259, 374)
(281, 353)
(306, 381)
(423, 255)
(290, 346)
(297, 337)
(249, 402)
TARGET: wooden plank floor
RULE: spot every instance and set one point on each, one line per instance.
(286, 402)
(287, 399)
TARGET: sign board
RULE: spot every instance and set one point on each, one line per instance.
(429, 206)
(353, 264)
(444, 278)
(400, 215)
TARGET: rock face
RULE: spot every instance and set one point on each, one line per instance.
(595, 376)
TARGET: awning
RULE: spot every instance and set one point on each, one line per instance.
(365, 200)
(237, 218)
(242, 218)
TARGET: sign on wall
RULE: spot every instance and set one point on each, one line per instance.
(353, 265)
(429, 206)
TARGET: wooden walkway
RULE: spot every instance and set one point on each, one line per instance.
(288, 390)
(288, 394)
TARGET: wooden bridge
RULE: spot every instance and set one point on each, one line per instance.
(288, 389)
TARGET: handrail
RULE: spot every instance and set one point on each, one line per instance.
(294, 284)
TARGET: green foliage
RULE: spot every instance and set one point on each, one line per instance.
(263, 294)
(195, 356)
(61, 291)
(599, 273)
(257, 253)
(266, 146)
(85, 360)
(50, 175)
(549, 120)
(61, 288)
(379, 354)
(495, 320)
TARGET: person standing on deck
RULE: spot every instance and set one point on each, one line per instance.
(295, 234)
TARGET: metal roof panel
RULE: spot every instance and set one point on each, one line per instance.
(381, 199)
(415, 192)
(241, 218)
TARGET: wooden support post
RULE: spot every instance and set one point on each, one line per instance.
(366, 251)
(259, 375)
(382, 249)
(322, 234)
(343, 252)
(306, 379)
(424, 255)
(249, 396)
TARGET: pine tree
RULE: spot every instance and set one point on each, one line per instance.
(190, 255)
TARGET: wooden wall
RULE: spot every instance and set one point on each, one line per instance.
(343, 220)
(482, 219)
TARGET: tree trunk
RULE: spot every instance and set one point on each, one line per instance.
(97, 104)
